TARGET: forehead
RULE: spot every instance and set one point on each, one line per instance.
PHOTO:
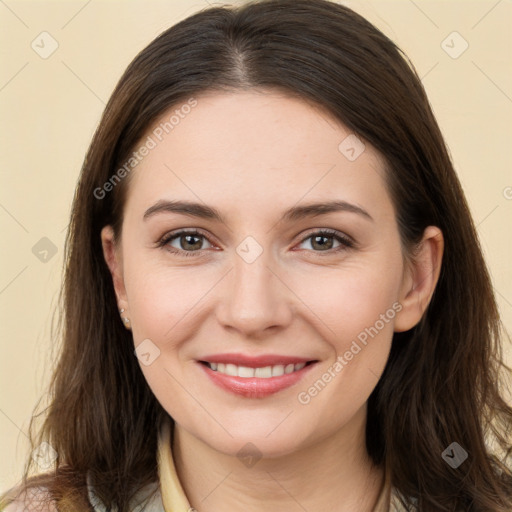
(256, 149)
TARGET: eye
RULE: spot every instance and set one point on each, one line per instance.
(184, 242)
(325, 240)
(190, 243)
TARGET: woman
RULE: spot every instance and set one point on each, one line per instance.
(274, 293)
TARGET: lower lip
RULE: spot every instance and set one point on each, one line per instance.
(253, 387)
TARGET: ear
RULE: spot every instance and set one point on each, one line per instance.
(420, 279)
(112, 255)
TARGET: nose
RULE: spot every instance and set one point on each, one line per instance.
(255, 298)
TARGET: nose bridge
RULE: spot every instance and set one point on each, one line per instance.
(256, 299)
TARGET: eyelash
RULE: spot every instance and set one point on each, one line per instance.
(346, 242)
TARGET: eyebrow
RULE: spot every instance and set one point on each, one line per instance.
(294, 213)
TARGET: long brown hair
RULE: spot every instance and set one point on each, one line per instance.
(443, 380)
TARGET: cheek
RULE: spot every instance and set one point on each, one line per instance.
(167, 307)
(161, 298)
(347, 301)
(355, 313)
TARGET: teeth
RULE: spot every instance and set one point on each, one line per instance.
(243, 371)
(232, 370)
(264, 372)
(289, 368)
(277, 370)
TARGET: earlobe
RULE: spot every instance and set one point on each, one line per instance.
(113, 259)
(420, 279)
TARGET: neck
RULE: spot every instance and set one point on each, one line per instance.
(335, 474)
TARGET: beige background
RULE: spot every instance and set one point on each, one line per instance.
(50, 108)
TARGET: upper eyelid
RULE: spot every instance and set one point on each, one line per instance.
(185, 231)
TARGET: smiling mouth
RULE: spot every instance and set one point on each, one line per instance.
(263, 372)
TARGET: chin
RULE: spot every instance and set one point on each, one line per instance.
(253, 442)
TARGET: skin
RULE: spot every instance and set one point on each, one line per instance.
(251, 155)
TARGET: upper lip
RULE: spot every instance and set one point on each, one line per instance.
(254, 361)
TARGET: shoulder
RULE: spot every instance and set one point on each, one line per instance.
(38, 499)
(35, 499)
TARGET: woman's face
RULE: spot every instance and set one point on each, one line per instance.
(224, 320)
